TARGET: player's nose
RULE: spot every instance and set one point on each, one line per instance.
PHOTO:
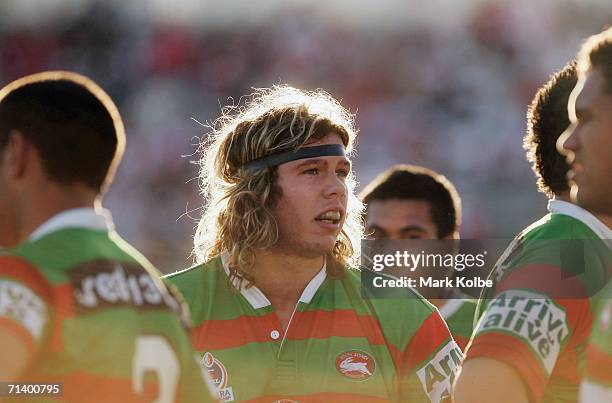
(567, 142)
(335, 186)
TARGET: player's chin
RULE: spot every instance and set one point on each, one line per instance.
(323, 246)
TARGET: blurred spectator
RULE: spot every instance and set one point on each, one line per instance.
(451, 96)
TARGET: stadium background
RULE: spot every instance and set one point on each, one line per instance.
(442, 83)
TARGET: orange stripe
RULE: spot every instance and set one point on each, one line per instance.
(63, 308)
(324, 397)
(229, 333)
(598, 365)
(319, 324)
(545, 278)
(461, 341)
(322, 324)
(431, 335)
(59, 298)
(515, 353)
(21, 332)
(24, 272)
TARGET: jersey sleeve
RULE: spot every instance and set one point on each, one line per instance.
(597, 383)
(24, 301)
(535, 314)
(196, 384)
(429, 363)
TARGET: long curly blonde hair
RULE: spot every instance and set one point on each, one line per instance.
(237, 219)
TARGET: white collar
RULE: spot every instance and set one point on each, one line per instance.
(257, 299)
(85, 217)
(577, 212)
(450, 307)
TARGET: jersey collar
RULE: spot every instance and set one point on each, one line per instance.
(257, 299)
(85, 217)
(577, 212)
(450, 307)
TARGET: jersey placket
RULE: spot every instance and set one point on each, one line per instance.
(285, 374)
(285, 371)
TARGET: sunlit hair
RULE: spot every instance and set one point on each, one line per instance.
(237, 220)
(596, 52)
(70, 121)
(547, 118)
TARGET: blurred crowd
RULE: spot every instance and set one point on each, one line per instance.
(450, 97)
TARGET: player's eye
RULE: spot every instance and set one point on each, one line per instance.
(312, 171)
(414, 235)
(343, 173)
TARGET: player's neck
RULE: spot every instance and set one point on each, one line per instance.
(564, 196)
(47, 201)
(282, 277)
(438, 302)
(606, 219)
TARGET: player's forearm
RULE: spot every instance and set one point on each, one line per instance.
(484, 380)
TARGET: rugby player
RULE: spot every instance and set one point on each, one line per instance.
(276, 300)
(82, 314)
(412, 202)
(529, 343)
(588, 145)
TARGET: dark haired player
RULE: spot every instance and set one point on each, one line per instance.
(412, 202)
(79, 308)
(588, 145)
(530, 341)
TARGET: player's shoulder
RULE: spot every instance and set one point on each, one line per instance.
(195, 272)
(358, 275)
(18, 268)
(67, 247)
(197, 278)
(559, 226)
(12, 260)
(402, 307)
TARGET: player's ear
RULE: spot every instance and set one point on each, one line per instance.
(16, 155)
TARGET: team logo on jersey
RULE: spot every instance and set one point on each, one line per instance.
(355, 365)
(218, 374)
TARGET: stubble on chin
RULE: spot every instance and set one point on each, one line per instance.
(300, 247)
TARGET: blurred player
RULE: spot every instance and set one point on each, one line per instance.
(78, 305)
(529, 343)
(278, 310)
(411, 202)
(588, 143)
(596, 384)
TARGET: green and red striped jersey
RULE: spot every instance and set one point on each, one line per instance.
(338, 346)
(539, 315)
(96, 316)
(458, 313)
(597, 382)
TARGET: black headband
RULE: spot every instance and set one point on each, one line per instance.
(326, 150)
